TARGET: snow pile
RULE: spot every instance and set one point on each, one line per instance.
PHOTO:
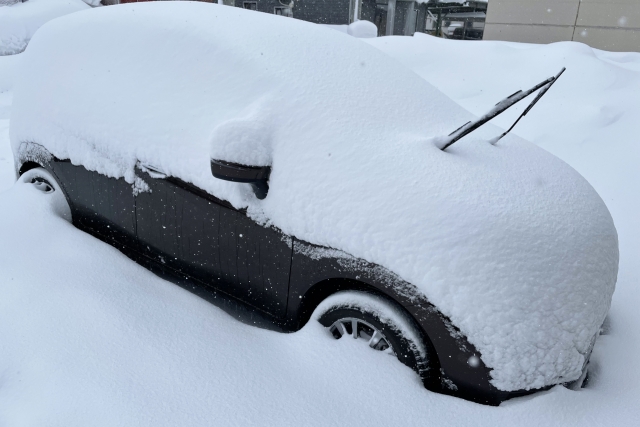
(8, 71)
(361, 29)
(132, 349)
(20, 21)
(508, 241)
(7, 174)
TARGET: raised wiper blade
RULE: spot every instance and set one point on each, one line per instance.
(498, 109)
(534, 102)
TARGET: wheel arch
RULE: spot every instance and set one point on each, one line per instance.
(48, 164)
(321, 290)
(27, 166)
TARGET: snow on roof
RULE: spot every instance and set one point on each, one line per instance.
(18, 22)
(508, 241)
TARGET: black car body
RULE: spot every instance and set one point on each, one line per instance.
(192, 234)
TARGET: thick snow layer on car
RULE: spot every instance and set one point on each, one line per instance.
(508, 241)
(20, 21)
(87, 337)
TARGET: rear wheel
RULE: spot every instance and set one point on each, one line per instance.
(379, 324)
(45, 183)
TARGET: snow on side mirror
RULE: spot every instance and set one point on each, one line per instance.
(257, 176)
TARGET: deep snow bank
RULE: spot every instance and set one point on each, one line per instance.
(508, 241)
(88, 337)
(8, 71)
(20, 21)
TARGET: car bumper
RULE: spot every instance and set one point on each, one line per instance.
(461, 370)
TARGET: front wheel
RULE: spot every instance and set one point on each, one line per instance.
(44, 182)
(378, 323)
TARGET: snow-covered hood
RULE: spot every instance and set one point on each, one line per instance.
(508, 241)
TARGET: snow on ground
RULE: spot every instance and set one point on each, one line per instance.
(8, 70)
(20, 21)
(7, 175)
(87, 337)
(8, 67)
(79, 347)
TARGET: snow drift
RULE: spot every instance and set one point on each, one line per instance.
(361, 29)
(508, 241)
(8, 71)
(20, 21)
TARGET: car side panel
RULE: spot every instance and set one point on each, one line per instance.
(178, 230)
(461, 370)
(103, 205)
(205, 238)
(260, 259)
(314, 264)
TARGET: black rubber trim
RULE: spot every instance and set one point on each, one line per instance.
(239, 173)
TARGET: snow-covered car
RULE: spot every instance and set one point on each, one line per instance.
(296, 169)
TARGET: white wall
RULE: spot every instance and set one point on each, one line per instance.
(605, 24)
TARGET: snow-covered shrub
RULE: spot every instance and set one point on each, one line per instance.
(361, 29)
(19, 21)
(10, 2)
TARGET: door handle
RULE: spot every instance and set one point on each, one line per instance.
(153, 171)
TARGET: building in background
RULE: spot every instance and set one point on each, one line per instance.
(604, 24)
(463, 20)
(460, 19)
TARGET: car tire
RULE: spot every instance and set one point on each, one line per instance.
(43, 181)
(381, 323)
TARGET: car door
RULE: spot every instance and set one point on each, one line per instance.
(99, 204)
(207, 239)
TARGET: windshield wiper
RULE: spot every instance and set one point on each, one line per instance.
(498, 109)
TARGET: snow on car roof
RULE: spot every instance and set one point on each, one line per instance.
(508, 241)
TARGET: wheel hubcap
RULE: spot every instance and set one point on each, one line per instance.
(358, 328)
(42, 185)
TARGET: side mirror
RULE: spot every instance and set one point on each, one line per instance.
(257, 176)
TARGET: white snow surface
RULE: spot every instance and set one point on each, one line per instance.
(20, 21)
(361, 29)
(8, 69)
(89, 338)
(508, 241)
